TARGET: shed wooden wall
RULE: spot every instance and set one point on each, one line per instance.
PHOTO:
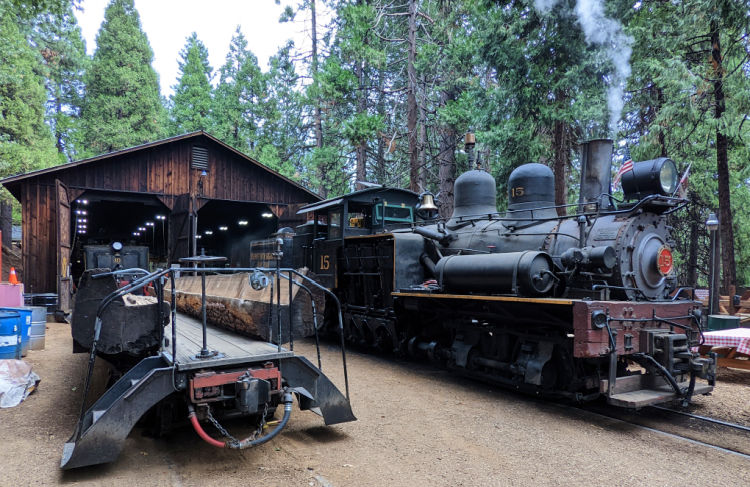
(164, 171)
(39, 238)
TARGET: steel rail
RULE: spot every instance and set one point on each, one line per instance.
(707, 419)
(651, 429)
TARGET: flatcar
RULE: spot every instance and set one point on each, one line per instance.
(579, 306)
(174, 369)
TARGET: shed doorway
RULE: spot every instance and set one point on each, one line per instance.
(102, 218)
(226, 228)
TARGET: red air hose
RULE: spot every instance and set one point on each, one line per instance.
(199, 429)
(249, 442)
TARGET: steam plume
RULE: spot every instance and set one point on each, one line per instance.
(606, 32)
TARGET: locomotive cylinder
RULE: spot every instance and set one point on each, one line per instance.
(524, 273)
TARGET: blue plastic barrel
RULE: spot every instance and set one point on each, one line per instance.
(10, 334)
(25, 312)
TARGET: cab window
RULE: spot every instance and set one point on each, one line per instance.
(334, 224)
(385, 213)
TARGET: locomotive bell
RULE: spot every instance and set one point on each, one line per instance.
(426, 207)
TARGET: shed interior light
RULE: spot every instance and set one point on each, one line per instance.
(209, 232)
(266, 214)
(223, 228)
(242, 223)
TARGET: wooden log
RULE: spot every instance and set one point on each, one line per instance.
(231, 303)
(131, 325)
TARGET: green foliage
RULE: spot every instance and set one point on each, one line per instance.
(671, 109)
(26, 143)
(190, 107)
(122, 107)
(58, 39)
(240, 97)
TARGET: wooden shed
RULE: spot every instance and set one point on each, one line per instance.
(173, 196)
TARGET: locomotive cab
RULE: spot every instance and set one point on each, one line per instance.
(366, 212)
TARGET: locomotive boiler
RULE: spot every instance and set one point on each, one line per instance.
(576, 301)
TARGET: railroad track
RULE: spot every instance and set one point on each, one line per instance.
(710, 432)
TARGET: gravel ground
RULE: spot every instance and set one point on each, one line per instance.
(417, 426)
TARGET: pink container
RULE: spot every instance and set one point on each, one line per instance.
(11, 294)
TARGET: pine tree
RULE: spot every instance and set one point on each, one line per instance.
(122, 106)
(25, 140)
(191, 102)
(58, 38)
(239, 98)
(283, 144)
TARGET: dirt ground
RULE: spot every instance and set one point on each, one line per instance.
(417, 426)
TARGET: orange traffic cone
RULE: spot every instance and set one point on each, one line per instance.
(12, 277)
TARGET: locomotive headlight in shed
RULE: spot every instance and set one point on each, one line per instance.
(657, 176)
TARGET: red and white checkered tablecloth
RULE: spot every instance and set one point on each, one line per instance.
(739, 338)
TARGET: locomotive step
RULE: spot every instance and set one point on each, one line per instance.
(647, 397)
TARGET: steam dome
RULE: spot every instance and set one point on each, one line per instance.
(474, 193)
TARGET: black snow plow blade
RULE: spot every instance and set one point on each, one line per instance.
(101, 432)
(316, 391)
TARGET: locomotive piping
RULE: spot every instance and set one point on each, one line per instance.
(663, 371)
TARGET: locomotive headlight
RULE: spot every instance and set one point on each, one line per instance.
(657, 176)
(668, 177)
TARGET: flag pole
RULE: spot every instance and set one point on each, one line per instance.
(682, 179)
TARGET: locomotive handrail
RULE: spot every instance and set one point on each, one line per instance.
(132, 270)
(646, 199)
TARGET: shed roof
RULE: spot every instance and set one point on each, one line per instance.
(12, 180)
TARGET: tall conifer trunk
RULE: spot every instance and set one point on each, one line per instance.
(447, 158)
(561, 150)
(722, 167)
(411, 99)
(318, 122)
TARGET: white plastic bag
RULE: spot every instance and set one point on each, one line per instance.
(17, 381)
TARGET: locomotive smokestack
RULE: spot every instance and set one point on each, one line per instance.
(596, 173)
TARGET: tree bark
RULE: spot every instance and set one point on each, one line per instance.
(692, 264)
(722, 167)
(422, 139)
(318, 123)
(380, 176)
(561, 151)
(411, 99)
(361, 145)
(6, 223)
(447, 159)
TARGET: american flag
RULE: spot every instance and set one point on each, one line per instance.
(626, 166)
(682, 186)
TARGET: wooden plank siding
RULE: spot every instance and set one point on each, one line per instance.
(162, 169)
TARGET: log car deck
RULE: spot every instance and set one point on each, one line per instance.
(233, 349)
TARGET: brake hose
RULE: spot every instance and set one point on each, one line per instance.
(250, 441)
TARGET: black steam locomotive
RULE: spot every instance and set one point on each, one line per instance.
(578, 306)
